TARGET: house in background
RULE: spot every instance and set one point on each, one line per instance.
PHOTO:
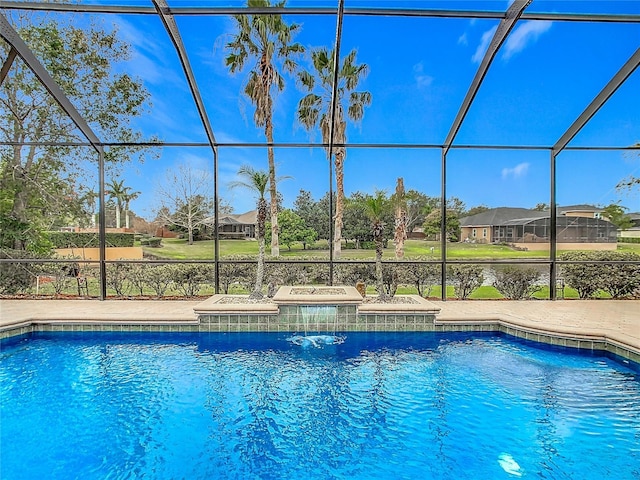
(578, 227)
(633, 232)
(236, 227)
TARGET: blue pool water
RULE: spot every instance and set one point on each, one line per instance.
(256, 406)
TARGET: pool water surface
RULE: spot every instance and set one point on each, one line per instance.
(257, 406)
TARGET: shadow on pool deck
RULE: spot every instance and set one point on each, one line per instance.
(617, 320)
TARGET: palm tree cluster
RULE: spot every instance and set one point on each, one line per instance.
(266, 42)
(122, 196)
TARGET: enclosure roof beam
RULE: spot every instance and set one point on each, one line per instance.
(6, 66)
(24, 52)
(172, 29)
(505, 26)
(388, 12)
(618, 79)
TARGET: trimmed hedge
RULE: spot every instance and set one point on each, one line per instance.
(89, 240)
(628, 239)
(617, 279)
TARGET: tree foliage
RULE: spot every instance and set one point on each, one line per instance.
(184, 199)
(293, 229)
(615, 214)
(39, 181)
(314, 214)
(433, 222)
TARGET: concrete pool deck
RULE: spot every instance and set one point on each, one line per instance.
(615, 322)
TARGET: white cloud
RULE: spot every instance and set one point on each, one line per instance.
(484, 44)
(462, 39)
(515, 172)
(422, 80)
(523, 35)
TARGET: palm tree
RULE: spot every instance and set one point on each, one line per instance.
(257, 182)
(116, 191)
(315, 108)
(265, 40)
(127, 197)
(400, 205)
(376, 208)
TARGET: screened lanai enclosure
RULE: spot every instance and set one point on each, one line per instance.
(568, 230)
(146, 145)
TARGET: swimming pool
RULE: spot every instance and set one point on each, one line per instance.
(256, 406)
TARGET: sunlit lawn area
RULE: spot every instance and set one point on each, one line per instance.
(177, 249)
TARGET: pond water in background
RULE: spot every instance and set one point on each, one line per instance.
(255, 406)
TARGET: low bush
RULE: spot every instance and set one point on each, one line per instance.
(188, 278)
(617, 279)
(352, 273)
(16, 277)
(117, 274)
(628, 239)
(154, 242)
(516, 283)
(89, 240)
(237, 269)
(420, 275)
(465, 279)
(158, 278)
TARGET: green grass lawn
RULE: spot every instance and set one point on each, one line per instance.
(177, 249)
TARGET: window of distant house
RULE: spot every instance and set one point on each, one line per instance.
(597, 215)
(484, 233)
(473, 233)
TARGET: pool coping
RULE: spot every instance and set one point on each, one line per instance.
(179, 316)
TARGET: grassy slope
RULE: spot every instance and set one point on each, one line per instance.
(176, 249)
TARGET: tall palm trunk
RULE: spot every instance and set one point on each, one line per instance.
(262, 216)
(379, 277)
(257, 288)
(400, 232)
(273, 192)
(337, 228)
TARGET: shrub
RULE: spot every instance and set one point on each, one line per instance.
(117, 274)
(16, 277)
(628, 239)
(421, 275)
(158, 278)
(516, 283)
(89, 240)
(390, 278)
(61, 274)
(138, 276)
(278, 274)
(236, 271)
(352, 273)
(617, 279)
(188, 279)
(465, 279)
(153, 242)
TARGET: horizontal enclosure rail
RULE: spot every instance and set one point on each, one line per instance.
(386, 12)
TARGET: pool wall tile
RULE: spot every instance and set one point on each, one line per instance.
(347, 319)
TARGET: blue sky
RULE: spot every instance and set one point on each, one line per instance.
(419, 72)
